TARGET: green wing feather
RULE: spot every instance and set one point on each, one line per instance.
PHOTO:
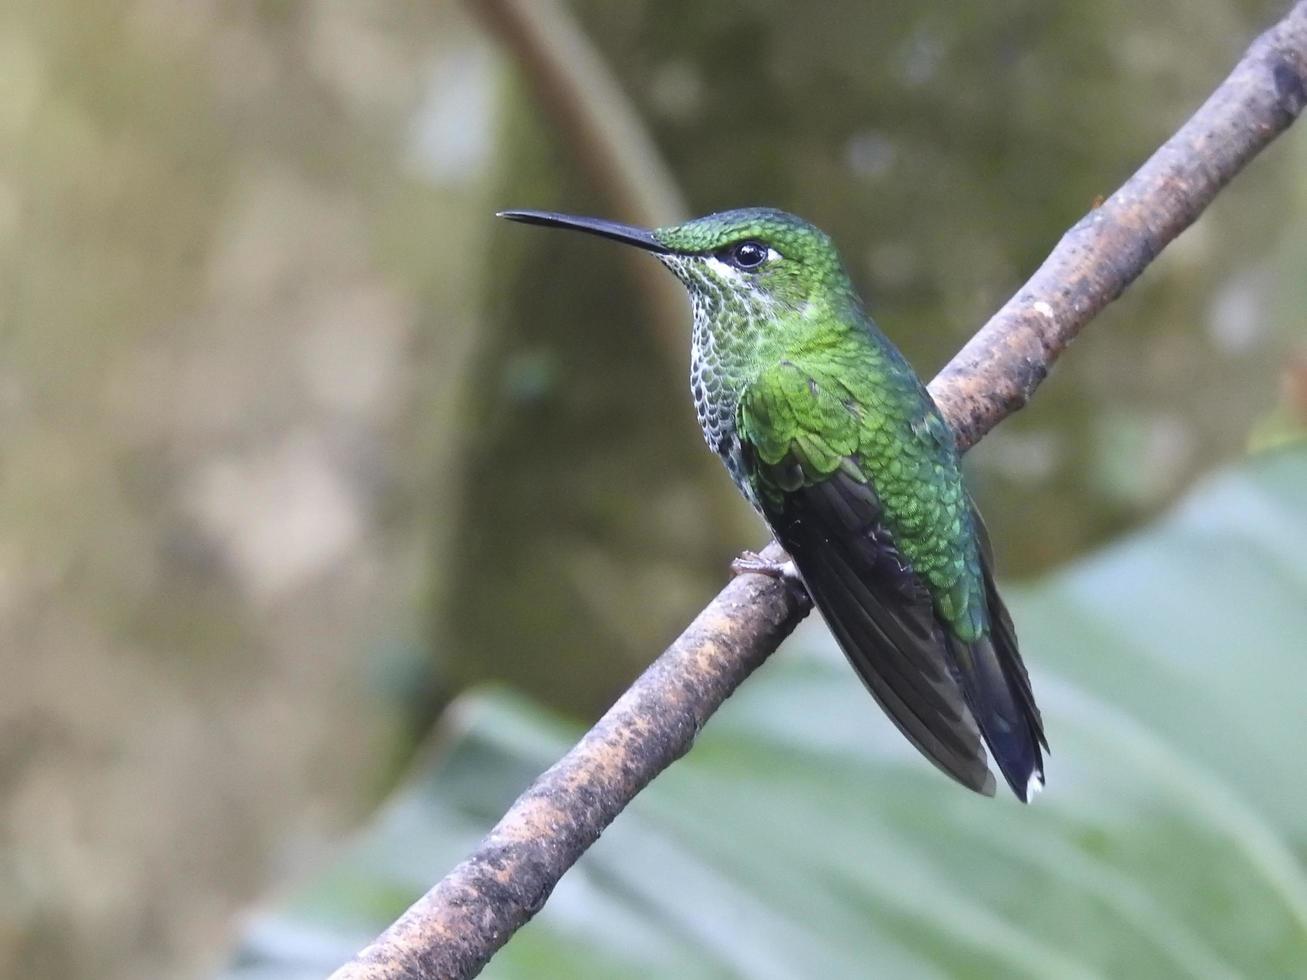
(861, 485)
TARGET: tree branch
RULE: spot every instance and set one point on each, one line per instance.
(605, 135)
(454, 929)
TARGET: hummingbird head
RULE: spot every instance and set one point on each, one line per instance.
(748, 263)
(763, 260)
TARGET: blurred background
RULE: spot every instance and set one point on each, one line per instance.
(298, 446)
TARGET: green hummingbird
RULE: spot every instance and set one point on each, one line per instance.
(832, 437)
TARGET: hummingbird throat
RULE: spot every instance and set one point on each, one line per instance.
(732, 320)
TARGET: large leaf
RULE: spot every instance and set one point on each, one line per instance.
(802, 837)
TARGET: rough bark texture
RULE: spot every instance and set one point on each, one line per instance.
(454, 929)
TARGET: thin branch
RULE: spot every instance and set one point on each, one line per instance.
(454, 929)
(605, 135)
(592, 117)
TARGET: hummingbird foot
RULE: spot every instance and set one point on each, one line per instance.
(750, 562)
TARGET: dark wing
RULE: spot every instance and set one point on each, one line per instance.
(881, 615)
(800, 451)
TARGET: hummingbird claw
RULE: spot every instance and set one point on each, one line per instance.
(750, 562)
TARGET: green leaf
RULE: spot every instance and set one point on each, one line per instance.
(803, 837)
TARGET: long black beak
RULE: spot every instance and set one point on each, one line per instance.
(594, 226)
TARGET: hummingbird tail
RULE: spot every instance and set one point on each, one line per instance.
(998, 694)
(998, 688)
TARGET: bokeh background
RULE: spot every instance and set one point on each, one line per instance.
(298, 445)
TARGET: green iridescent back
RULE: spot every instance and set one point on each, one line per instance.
(851, 409)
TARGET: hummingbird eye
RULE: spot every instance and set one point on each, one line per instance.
(745, 255)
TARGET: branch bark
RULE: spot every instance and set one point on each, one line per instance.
(454, 929)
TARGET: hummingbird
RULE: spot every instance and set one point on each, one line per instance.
(832, 437)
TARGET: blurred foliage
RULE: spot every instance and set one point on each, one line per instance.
(1286, 423)
(294, 443)
(802, 837)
